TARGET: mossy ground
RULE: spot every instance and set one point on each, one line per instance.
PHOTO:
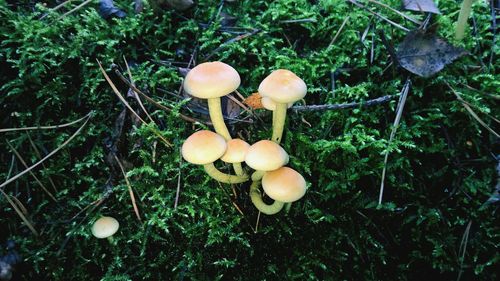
(441, 168)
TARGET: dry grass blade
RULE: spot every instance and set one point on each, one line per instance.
(37, 153)
(75, 9)
(177, 193)
(378, 15)
(19, 212)
(130, 191)
(338, 31)
(135, 94)
(19, 204)
(122, 99)
(46, 157)
(463, 248)
(32, 174)
(396, 11)
(257, 223)
(46, 127)
(399, 113)
(472, 112)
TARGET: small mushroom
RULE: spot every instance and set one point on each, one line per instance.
(105, 227)
(235, 153)
(283, 87)
(212, 80)
(204, 148)
(284, 184)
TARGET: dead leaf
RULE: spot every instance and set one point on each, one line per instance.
(427, 6)
(254, 101)
(230, 108)
(425, 54)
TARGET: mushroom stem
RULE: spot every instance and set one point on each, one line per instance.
(463, 16)
(238, 169)
(288, 206)
(259, 204)
(257, 175)
(279, 117)
(215, 110)
(223, 177)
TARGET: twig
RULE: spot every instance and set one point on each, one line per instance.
(472, 113)
(39, 155)
(230, 41)
(396, 11)
(177, 193)
(74, 9)
(130, 191)
(136, 96)
(378, 15)
(323, 107)
(257, 223)
(399, 113)
(299, 20)
(32, 174)
(47, 156)
(463, 249)
(47, 127)
(338, 31)
(19, 212)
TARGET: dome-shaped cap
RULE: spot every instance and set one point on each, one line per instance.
(284, 184)
(203, 147)
(269, 104)
(283, 86)
(105, 227)
(211, 80)
(236, 151)
(266, 155)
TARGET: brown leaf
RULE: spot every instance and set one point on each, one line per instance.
(254, 101)
(421, 6)
(425, 54)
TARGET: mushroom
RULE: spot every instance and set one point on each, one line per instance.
(105, 227)
(212, 80)
(264, 156)
(235, 153)
(203, 148)
(284, 184)
(283, 87)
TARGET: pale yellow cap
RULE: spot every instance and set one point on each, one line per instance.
(283, 86)
(284, 184)
(266, 155)
(211, 80)
(203, 147)
(236, 151)
(269, 104)
(105, 227)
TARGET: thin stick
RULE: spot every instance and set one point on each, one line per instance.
(323, 107)
(396, 11)
(32, 174)
(74, 9)
(16, 208)
(47, 156)
(39, 155)
(135, 94)
(177, 193)
(463, 248)
(47, 127)
(338, 31)
(130, 191)
(257, 223)
(399, 113)
(378, 15)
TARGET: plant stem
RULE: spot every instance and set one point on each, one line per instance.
(215, 110)
(260, 205)
(257, 175)
(238, 169)
(223, 177)
(279, 117)
(462, 19)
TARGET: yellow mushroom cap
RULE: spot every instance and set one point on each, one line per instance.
(105, 227)
(211, 80)
(269, 104)
(283, 86)
(203, 147)
(266, 155)
(236, 151)
(284, 184)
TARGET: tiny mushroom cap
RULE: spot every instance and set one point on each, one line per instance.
(236, 151)
(283, 86)
(266, 155)
(269, 104)
(203, 147)
(284, 184)
(211, 80)
(105, 227)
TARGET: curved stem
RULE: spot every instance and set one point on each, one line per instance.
(279, 117)
(260, 205)
(462, 19)
(238, 169)
(257, 175)
(215, 110)
(223, 177)
(288, 206)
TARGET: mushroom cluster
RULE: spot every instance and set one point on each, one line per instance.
(279, 90)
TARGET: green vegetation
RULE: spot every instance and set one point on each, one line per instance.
(440, 172)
